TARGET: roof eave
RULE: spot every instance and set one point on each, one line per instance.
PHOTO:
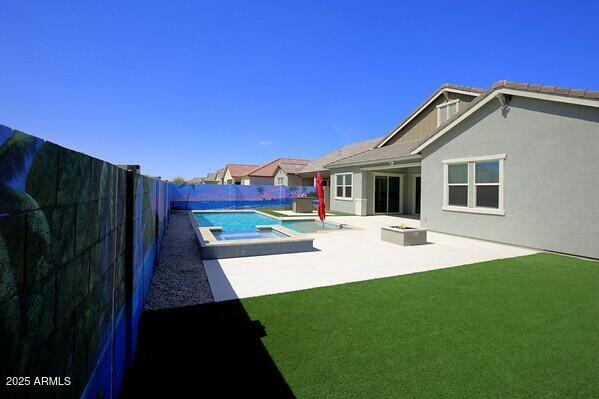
(406, 157)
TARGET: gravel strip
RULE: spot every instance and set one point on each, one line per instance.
(180, 278)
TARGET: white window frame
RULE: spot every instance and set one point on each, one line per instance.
(448, 184)
(472, 208)
(345, 198)
(280, 181)
(445, 108)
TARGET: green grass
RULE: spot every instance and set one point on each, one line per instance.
(282, 215)
(523, 327)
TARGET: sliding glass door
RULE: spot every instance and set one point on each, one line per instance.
(387, 193)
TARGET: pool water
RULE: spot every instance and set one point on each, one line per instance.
(246, 222)
(260, 234)
(235, 222)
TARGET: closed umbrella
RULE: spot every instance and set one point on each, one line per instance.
(322, 206)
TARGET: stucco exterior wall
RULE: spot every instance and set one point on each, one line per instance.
(256, 180)
(294, 180)
(280, 174)
(550, 175)
(357, 205)
(362, 202)
(228, 179)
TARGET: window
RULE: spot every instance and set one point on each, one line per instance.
(280, 181)
(343, 186)
(457, 182)
(446, 111)
(487, 184)
(474, 185)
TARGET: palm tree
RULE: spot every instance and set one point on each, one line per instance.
(260, 191)
(191, 187)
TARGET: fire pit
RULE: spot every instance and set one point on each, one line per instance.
(403, 235)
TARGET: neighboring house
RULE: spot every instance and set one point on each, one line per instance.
(288, 167)
(197, 180)
(220, 176)
(211, 178)
(317, 166)
(233, 172)
(288, 174)
(516, 164)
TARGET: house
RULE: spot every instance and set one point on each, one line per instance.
(516, 164)
(386, 178)
(317, 166)
(220, 176)
(211, 178)
(197, 180)
(281, 171)
(233, 172)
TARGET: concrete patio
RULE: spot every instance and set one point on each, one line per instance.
(348, 256)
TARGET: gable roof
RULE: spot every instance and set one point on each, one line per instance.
(292, 168)
(446, 88)
(506, 88)
(197, 180)
(238, 170)
(211, 177)
(269, 169)
(347, 151)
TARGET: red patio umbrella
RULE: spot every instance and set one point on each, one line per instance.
(322, 206)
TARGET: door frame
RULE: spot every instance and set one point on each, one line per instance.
(401, 192)
(414, 176)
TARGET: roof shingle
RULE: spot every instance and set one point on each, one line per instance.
(318, 165)
(269, 169)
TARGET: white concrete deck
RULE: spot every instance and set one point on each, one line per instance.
(348, 256)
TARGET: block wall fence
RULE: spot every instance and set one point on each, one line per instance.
(79, 238)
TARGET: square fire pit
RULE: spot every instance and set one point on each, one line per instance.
(405, 236)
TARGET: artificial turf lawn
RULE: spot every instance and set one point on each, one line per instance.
(521, 327)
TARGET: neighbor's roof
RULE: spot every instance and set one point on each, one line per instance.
(220, 173)
(197, 180)
(238, 170)
(318, 165)
(383, 154)
(211, 177)
(269, 169)
(550, 93)
(293, 168)
(447, 87)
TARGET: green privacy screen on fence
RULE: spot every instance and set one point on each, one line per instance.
(79, 238)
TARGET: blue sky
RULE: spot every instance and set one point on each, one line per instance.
(182, 88)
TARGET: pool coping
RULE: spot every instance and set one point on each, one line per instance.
(212, 248)
(312, 218)
(281, 219)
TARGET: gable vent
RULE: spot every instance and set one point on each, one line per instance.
(446, 110)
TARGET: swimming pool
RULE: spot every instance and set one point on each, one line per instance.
(234, 234)
(235, 223)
